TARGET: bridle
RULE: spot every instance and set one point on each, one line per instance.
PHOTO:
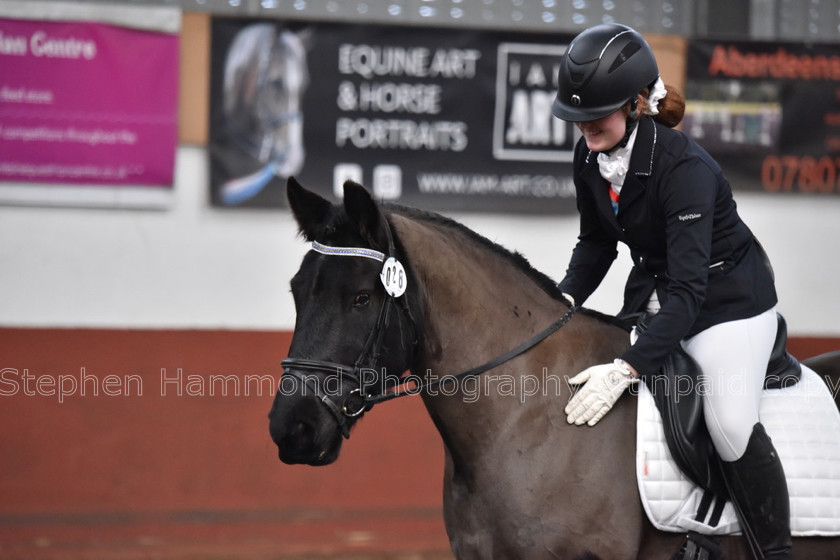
(356, 402)
(394, 279)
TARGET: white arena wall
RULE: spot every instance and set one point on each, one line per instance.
(197, 267)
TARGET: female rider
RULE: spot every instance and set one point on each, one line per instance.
(696, 265)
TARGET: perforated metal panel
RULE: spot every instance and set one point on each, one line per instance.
(786, 20)
(808, 20)
(649, 16)
(655, 17)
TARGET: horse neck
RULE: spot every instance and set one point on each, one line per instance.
(477, 305)
(473, 297)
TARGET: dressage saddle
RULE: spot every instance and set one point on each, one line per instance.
(674, 390)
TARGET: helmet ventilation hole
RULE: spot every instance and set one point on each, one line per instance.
(628, 51)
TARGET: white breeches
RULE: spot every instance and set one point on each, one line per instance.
(733, 359)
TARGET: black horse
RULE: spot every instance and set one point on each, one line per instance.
(519, 482)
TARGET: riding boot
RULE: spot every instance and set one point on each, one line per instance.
(758, 489)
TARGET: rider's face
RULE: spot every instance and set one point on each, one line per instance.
(604, 133)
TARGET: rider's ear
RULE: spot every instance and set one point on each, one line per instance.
(310, 210)
(364, 214)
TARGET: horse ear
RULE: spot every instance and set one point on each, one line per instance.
(364, 214)
(310, 210)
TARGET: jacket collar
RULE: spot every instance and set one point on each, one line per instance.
(641, 165)
(641, 161)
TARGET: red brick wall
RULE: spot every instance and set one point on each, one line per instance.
(156, 467)
(168, 468)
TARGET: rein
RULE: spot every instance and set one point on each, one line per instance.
(393, 278)
(478, 370)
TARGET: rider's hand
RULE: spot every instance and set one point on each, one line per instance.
(603, 385)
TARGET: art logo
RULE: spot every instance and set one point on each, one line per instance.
(524, 127)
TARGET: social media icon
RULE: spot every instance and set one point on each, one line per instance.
(345, 172)
(387, 182)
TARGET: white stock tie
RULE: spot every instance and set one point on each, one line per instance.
(614, 166)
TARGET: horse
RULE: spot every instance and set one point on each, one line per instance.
(519, 481)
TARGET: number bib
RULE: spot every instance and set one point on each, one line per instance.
(393, 277)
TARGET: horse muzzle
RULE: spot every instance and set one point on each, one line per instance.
(303, 430)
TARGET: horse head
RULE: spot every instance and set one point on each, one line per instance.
(355, 333)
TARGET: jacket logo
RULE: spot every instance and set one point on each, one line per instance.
(686, 217)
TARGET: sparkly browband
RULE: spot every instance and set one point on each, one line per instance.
(348, 251)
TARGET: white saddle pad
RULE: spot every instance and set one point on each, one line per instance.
(803, 422)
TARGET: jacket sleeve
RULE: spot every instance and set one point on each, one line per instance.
(687, 199)
(594, 253)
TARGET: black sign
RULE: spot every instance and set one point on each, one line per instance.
(768, 112)
(443, 119)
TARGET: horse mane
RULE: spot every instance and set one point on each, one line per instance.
(515, 258)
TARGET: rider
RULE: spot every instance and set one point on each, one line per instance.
(696, 265)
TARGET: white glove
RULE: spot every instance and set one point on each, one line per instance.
(604, 384)
(568, 297)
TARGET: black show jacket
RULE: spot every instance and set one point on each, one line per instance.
(677, 215)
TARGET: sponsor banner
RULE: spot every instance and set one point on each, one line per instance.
(86, 105)
(445, 119)
(768, 112)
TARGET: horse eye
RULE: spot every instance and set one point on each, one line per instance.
(361, 300)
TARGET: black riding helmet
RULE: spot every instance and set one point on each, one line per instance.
(604, 67)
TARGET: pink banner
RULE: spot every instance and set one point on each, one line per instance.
(87, 103)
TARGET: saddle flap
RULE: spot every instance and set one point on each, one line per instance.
(674, 389)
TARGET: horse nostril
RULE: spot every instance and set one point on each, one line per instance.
(301, 430)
